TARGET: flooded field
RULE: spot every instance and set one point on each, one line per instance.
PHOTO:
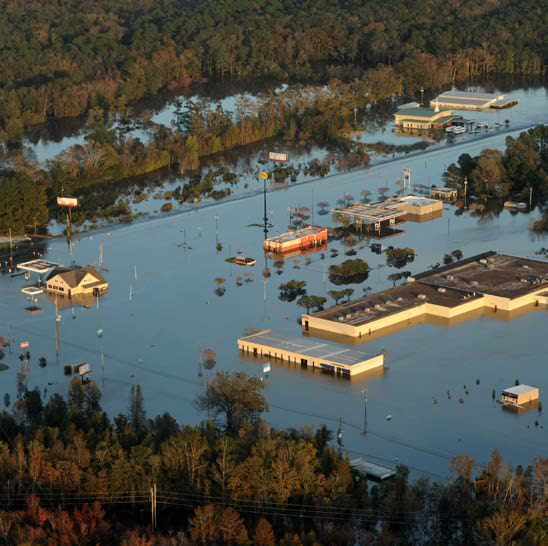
(188, 298)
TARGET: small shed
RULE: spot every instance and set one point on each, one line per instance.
(442, 192)
(520, 394)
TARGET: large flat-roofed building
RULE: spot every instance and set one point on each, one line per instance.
(306, 352)
(491, 280)
(423, 118)
(300, 239)
(520, 394)
(470, 100)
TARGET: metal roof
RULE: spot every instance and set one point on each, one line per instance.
(409, 105)
(308, 347)
(375, 212)
(292, 235)
(519, 389)
(424, 112)
(37, 266)
(469, 95)
(372, 469)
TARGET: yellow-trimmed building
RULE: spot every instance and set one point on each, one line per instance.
(424, 118)
(76, 282)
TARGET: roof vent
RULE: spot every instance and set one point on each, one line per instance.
(441, 289)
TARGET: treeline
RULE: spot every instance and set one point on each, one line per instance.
(112, 154)
(70, 475)
(61, 59)
(520, 171)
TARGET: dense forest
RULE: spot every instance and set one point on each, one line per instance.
(521, 171)
(70, 475)
(60, 59)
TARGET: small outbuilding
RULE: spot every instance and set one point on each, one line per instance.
(442, 192)
(520, 394)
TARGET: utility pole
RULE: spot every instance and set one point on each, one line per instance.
(11, 253)
(530, 198)
(422, 96)
(153, 506)
(216, 228)
(340, 436)
(364, 392)
(465, 189)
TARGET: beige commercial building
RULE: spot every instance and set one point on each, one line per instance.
(76, 282)
(423, 118)
(470, 100)
(305, 352)
(489, 280)
(520, 394)
(442, 192)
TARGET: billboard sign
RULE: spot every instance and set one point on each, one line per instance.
(67, 201)
(24, 345)
(84, 368)
(274, 156)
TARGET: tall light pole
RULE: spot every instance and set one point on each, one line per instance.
(422, 96)
(465, 190)
(264, 176)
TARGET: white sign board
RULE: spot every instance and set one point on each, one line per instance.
(67, 201)
(274, 156)
(84, 368)
(266, 367)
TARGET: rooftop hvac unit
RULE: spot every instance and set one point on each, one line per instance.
(348, 315)
(483, 261)
(441, 289)
(491, 260)
(525, 266)
(340, 318)
(421, 296)
(399, 298)
(474, 283)
(378, 306)
(450, 277)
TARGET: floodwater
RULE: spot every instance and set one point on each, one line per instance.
(245, 162)
(155, 337)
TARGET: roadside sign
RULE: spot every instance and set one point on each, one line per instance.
(24, 345)
(274, 156)
(84, 368)
(67, 202)
(264, 175)
(266, 368)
